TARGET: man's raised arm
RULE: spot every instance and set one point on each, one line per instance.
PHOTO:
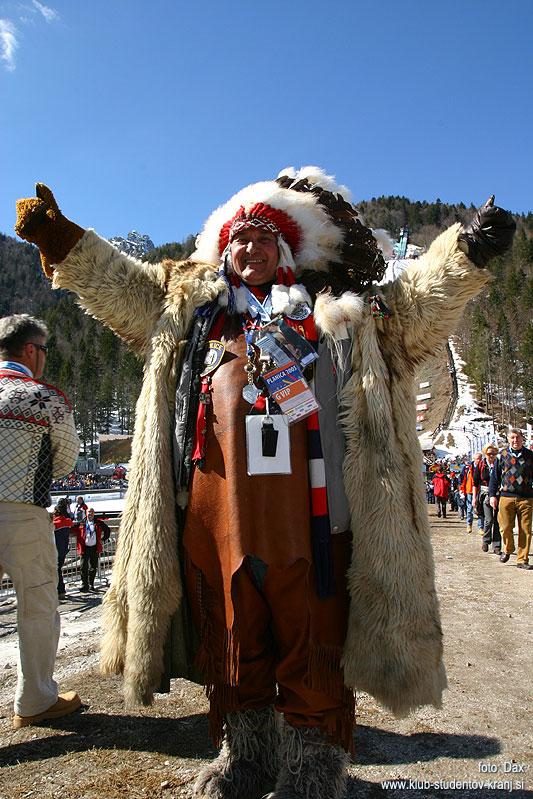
(125, 294)
(430, 296)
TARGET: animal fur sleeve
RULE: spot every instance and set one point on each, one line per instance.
(430, 296)
(125, 294)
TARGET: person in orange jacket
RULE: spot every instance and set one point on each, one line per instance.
(466, 488)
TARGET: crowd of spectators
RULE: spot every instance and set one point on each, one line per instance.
(85, 481)
(496, 487)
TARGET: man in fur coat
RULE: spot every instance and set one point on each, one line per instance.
(275, 491)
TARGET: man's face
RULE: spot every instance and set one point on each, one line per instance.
(516, 440)
(477, 460)
(255, 256)
(90, 514)
(35, 352)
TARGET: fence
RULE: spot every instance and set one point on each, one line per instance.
(72, 566)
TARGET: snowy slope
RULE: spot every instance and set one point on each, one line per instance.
(470, 428)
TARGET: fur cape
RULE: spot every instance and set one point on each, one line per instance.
(393, 648)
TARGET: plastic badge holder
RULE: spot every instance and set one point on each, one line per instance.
(257, 443)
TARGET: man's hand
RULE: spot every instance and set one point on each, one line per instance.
(489, 234)
(40, 222)
(494, 503)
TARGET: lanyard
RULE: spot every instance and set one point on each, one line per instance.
(257, 308)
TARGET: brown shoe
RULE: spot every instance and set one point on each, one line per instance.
(485, 547)
(505, 557)
(66, 703)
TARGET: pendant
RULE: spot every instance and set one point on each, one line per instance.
(250, 393)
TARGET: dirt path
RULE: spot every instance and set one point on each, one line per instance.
(479, 745)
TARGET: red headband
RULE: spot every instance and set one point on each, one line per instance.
(260, 216)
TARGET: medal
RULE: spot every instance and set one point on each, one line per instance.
(250, 393)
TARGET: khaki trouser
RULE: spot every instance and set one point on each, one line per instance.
(28, 554)
(521, 509)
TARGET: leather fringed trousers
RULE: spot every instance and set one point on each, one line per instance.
(284, 648)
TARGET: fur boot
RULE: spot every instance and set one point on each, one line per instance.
(311, 767)
(248, 763)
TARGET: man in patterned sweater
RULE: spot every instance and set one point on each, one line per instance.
(512, 482)
(38, 443)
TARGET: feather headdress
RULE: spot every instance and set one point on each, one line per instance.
(315, 217)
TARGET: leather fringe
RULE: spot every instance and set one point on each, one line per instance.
(220, 674)
(325, 674)
(223, 699)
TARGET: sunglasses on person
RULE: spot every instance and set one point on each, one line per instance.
(42, 347)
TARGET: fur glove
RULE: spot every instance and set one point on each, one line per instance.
(489, 234)
(40, 222)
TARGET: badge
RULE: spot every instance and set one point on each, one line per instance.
(289, 388)
(299, 312)
(268, 447)
(269, 345)
(300, 348)
(215, 353)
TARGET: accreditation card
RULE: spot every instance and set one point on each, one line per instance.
(289, 388)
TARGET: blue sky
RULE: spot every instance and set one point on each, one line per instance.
(147, 115)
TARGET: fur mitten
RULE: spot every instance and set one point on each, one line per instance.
(40, 222)
(489, 234)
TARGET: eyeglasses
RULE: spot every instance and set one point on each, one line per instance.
(42, 347)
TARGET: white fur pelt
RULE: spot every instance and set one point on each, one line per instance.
(393, 648)
(394, 643)
(146, 587)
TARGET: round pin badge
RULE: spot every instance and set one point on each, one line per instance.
(299, 312)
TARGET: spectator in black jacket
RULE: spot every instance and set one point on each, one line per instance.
(512, 482)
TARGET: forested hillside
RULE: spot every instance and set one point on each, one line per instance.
(103, 377)
(496, 334)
